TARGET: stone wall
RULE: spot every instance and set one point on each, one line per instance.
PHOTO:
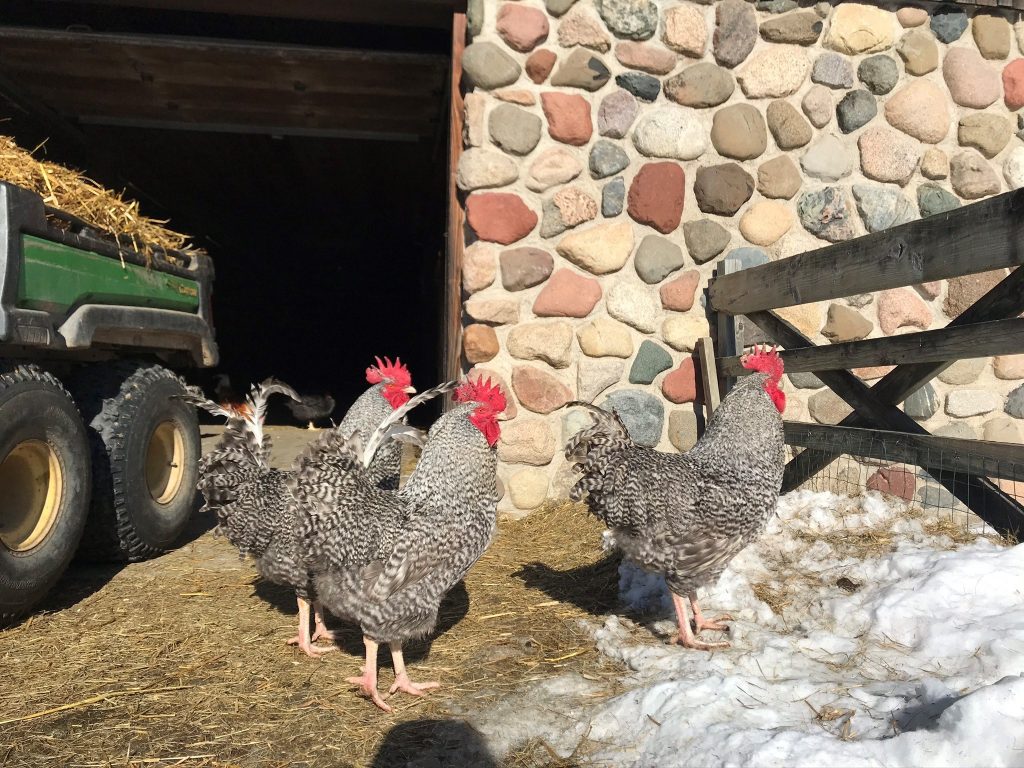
(615, 150)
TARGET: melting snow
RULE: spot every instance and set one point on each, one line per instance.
(911, 654)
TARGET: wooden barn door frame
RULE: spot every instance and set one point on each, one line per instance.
(451, 346)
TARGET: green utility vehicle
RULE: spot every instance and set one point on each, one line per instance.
(97, 456)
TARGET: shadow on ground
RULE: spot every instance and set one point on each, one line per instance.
(453, 743)
(592, 588)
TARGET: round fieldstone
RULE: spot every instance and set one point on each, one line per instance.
(475, 17)
(922, 404)
(700, 85)
(844, 323)
(799, 28)
(547, 341)
(685, 30)
(705, 239)
(481, 168)
(670, 132)
(887, 155)
(991, 35)
(765, 222)
(856, 28)
(855, 109)
(827, 214)
(911, 16)
(971, 80)
(1001, 429)
(833, 71)
(748, 257)
(600, 249)
(934, 164)
(524, 267)
(596, 375)
(882, 207)
(499, 217)
(722, 189)
(514, 129)
(778, 178)
(738, 131)
(519, 96)
(568, 117)
(681, 332)
(631, 19)
(971, 175)
(777, 6)
(656, 258)
(879, 73)
(896, 482)
(963, 371)
(528, 488)
(633, 304)
(487, 66)
(645, 57)
(539, 391)
(1015, 403)
(582, 27)
(828, 159)
(539, 65)
(859, 300)
(643, 86)
(805, 381)
(521, 27)
(964, 403)
(948, 23)
(641, 413)
(933, 199)
(656, 196)
(606, 159)
(817, 105)
(826, 407)
(478, 268)
(582, 69)
(558, 7)
(962, 292)
(526, 441)
(553, 166)
(735, 32)
(491, 310)
(680, 386)
(678, 294)
(479, 343)
(613, 197)
(789, 128)
(957, 429)
(651, 359)
(569, 207)
(682, 430)
(984, 131)
(919, 109)
(901, 307)
(567, 294)
(616, 114)
(919, 52)
(603, 337)
(778, 70)
(1013, 85)
(1013, 168)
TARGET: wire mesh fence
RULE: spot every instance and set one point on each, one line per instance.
(868, 461)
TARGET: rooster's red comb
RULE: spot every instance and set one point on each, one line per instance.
(764, 360)
(482, 391)
(394, 372)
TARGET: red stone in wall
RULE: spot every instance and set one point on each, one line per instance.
(500, 217)
(656, 196)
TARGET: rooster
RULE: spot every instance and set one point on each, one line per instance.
(424, 539)
(686, 516)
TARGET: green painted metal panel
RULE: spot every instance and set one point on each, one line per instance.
(56, 277)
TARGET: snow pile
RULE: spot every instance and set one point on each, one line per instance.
(886, 647)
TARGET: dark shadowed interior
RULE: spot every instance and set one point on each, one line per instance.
(324, 211)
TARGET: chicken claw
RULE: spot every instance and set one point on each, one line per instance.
(402, 681)
(367, 681)
(686, 637)
(700, 623)
(303, 640)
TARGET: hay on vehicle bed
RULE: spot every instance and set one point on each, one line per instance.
(72, 192)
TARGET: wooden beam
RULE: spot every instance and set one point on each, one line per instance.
(451, 342)
(976, 238)
(948, 454)
(709, 375)
(730, 340)
(998, 337)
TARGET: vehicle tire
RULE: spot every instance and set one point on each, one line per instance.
(44, 485)
(145, 450)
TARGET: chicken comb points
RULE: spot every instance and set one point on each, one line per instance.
(483, 391)
(385, 370)
(764, 360)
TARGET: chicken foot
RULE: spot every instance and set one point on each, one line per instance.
(686, 637)
(701, 623)
(367, 682)
(402, 681)
(320, 631)
(303, 639)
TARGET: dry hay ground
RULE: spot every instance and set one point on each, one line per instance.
(181, 660)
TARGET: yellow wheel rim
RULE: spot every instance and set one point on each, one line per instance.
(165, 462)
(31, 486)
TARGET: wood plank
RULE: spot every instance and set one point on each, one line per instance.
(998, 337)
(730, 340)
(981, 495)
(974, 457)
(451, 342)
(709, 375)
(983, 236)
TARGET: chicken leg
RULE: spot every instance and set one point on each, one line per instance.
(701, 623)
(367, 682)
(402, 681)
(320, 632)
(686, 637)
(303, 639)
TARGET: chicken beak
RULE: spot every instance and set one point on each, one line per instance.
(409, 390)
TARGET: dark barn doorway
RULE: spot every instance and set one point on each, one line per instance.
(305, 145)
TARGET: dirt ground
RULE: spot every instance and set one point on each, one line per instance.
(181, 660)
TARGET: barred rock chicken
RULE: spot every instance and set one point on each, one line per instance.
(423, 540)
(686, 516)
(253, 504)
